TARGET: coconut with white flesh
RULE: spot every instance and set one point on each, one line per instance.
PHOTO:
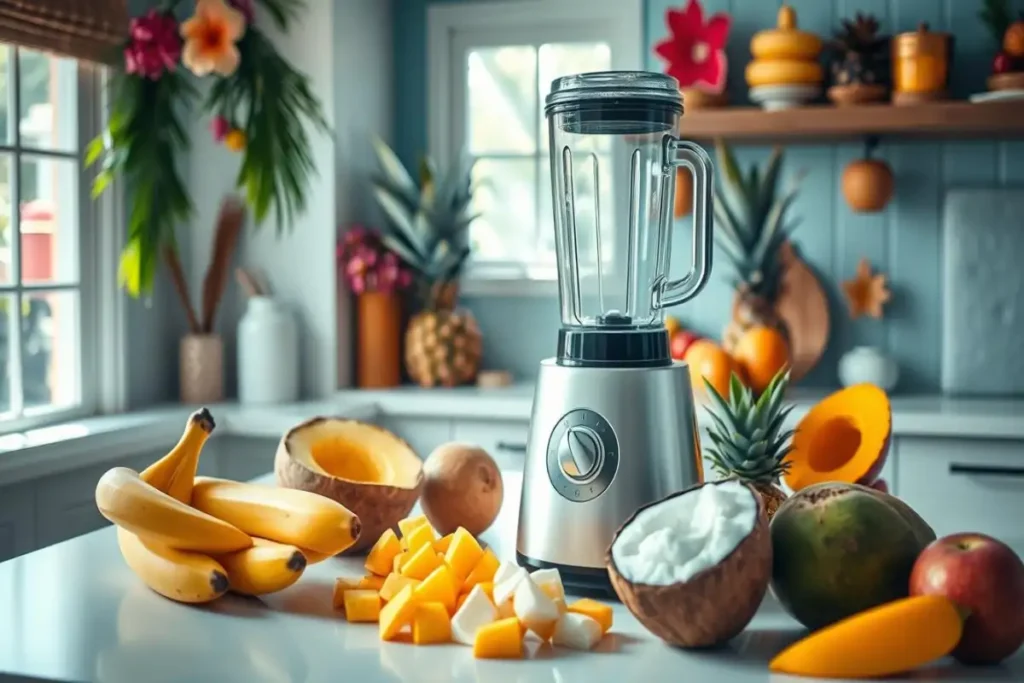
(694, 567)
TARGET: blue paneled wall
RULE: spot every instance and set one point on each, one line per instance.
(904, 241)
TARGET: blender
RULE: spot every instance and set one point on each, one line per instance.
(613, 425)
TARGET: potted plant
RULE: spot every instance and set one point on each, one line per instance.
(859, 62)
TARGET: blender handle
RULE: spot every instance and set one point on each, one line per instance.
(693, 157)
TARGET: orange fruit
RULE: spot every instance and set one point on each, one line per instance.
(707, 360)
(761, 352)
(1013, 39)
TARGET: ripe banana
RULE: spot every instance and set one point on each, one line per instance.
(175, 574)
(266, 567)
(299, 518)
(173, 473)
(127, 501)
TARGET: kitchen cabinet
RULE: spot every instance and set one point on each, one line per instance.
(17, 521)
(505, 440)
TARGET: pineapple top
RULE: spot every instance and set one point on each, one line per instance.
(747, 438)
(860, 36)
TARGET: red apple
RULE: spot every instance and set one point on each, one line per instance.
(985, 577)
(681, 341)
(1003, 63)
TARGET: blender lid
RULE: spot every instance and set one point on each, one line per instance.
(602, 86)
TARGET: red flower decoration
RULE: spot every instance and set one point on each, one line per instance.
(154, 45)
(695, 51)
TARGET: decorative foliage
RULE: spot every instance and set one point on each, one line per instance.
(260, 106)
(368, 266)
(866, 293)
(695, 50)
(997, 15)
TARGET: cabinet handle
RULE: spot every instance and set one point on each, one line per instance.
(510, 447)
(989, 470)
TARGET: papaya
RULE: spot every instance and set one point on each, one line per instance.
(840, 548)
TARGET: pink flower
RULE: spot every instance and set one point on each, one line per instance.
(357, 284)
(404, 278)
(219, 128)
(357, 234)
(246, 8)
(154, 46)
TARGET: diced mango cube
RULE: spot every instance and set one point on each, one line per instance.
(395, 583)
(418, 537)
(397, 614)
(484, 570)
(421, 563)
(502, 639)
(461, 599)
(463, 553)
(362, 605)
(342, 586)
(409, 523)
(383, 553)
(488, 588)
(371, 582)
(598, 611)
(438, 586)
(400, 558)
(431, 624)
(441, 544)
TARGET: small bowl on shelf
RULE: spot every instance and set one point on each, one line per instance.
(853, 94)
(778, 97)
(1012, 80)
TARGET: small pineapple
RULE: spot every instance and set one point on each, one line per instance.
(430, 232)
(747, 439)
(861, 52)
(750, 228)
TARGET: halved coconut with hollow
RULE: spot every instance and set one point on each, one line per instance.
(694, 567)
(366, 468)
(844, 437)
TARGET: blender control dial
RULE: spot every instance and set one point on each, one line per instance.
(582, 455)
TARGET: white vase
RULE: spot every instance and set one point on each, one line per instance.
(868, 364)
(268, 354)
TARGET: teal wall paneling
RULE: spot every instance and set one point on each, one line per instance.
(904, 241)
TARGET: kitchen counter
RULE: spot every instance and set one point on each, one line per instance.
(74, 612)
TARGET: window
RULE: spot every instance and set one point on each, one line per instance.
(46, 334)
(491, 66)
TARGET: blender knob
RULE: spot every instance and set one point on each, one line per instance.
(579, 454)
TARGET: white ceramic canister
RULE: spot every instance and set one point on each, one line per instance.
(868, 364)
(268, 354)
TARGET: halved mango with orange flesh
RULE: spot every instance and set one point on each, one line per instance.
(845, 437)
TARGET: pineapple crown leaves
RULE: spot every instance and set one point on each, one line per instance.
(429, 220)
(751, 219)
(859, 35)
(747, 438)
(997, 15)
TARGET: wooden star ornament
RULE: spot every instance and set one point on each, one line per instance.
(866, 293)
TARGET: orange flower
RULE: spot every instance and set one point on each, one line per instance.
(210, 37)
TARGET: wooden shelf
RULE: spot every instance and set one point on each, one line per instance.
(956, 119)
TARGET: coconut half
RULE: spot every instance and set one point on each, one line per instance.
(366, 468)
(694, 567)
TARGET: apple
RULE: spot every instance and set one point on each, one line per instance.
(680, 342)
(984, 577)
(1003, 63)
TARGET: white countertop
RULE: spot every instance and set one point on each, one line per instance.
(74, 612)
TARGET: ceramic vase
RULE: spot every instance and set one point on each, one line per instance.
(868, 364)
(379, 353)
(201, 367)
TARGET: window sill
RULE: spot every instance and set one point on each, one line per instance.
(508, 287)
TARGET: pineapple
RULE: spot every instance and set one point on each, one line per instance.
(748, 442)
(750, 229)
(429, 230)
(861, 53)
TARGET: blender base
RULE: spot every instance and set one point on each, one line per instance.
(582, 580)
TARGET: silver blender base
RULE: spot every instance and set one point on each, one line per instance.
(637, 428)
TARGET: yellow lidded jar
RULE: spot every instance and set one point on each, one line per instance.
(920, 62)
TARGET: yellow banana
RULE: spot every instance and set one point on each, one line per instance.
(299, 518)
(175, 574)
(266, 567)
(313, 557)
(173, 473)
(127, 501)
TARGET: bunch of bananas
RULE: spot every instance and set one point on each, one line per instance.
(191, 539)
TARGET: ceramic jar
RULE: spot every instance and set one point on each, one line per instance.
(379, 352)
(201, 367)
(268, 354)
(920, 65)
(868, 364)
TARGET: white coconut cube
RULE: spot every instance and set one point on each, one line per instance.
(476, 612)
(506, 587)
(550, 582)
(576, 631)
(535, 609)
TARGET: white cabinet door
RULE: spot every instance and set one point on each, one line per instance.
(17, 520)
(505, 440)
(424, 434)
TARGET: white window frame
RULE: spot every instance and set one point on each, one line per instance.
(101, 334)
(454, 29)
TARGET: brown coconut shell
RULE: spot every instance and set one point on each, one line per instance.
(715, 605)
(379, 506)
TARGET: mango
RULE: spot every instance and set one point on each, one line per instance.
(840, 549)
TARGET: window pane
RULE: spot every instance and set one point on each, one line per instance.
(6, 78)
(612, 236)
(502, 100)
(48, 107)
(50, 349)
(565, 59)
(49, 220)
(6, 238)
(506, 198)
(7, 355)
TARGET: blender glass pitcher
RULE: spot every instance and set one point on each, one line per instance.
(613, 165)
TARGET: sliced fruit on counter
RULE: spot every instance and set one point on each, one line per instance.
(577, 631)
(397, 614)
(888, 640)
(300, 518)
(598, 611)
(476, 611)
(694, 567)
(844, 437)
(840, 549)
(748, 440)
(266, 567)
(709, 361)
(535, 609)
(381, 558)
(175, 574)
(174, 473)
(431, 624)
(362, 605)
(462, 487)
(985, 577)
(365, 468)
